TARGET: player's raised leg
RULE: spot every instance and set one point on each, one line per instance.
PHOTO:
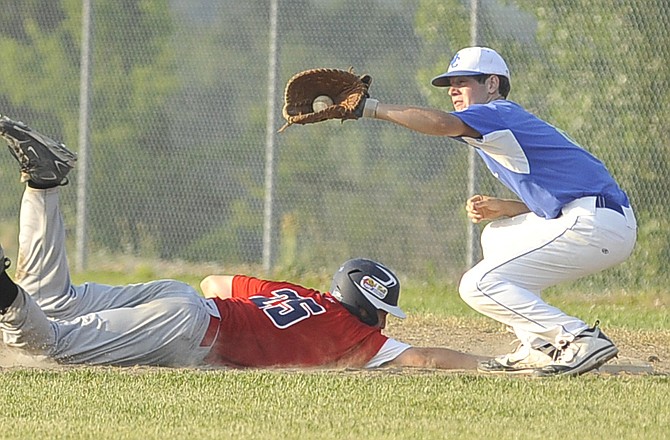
(42, 268)
(44, 162)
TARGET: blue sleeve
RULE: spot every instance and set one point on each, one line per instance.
(485, 118)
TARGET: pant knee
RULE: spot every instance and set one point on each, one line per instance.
(478, 287)
(468, 287)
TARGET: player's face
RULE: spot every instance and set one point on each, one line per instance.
(466, 91)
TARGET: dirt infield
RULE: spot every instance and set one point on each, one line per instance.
(640, 352)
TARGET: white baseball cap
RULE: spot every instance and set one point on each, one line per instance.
(473, 61)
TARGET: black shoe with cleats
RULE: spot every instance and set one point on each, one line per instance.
(44, 162)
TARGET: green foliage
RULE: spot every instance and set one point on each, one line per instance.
(235, 241)
(133, 82)
(133, 78)
(444, 27)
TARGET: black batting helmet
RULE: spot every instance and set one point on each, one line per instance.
(368, 285)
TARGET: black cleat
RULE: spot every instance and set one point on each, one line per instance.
(44, 162)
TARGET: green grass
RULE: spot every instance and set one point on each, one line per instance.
(104, 403)
(147, 403)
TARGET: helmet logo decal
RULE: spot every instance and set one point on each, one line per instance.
(337, 294)
(374, 287)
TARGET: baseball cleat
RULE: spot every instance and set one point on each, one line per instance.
(588, 351)
(523, 360)
(44, 162)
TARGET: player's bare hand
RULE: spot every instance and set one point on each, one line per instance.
(480, 208)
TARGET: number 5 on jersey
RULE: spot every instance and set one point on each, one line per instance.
(285, 307)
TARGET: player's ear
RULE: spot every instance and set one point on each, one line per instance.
(364, 315)
(493, 84)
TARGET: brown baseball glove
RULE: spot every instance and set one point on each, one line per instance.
(347, 91)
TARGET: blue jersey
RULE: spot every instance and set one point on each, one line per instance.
(539, 163)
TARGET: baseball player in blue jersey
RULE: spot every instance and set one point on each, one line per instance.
(571, 219)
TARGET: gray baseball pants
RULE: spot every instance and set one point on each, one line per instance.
(157, 323)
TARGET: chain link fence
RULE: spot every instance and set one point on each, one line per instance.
(184, 162)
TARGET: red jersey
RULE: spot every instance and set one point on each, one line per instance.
(270, 323)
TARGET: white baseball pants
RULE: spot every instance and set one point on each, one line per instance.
(525, 254)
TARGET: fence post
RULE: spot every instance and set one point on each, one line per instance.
(84, 137)
(471, 251)
(270, 159)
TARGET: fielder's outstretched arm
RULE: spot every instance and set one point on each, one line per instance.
(424, 120)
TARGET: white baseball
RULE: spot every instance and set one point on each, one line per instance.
(321, 103)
